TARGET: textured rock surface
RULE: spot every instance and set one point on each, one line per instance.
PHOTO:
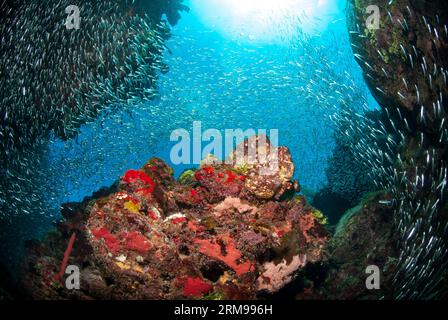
(405, 65)
(150, 237)
(365, 236)
(411, 33)
(268, 170)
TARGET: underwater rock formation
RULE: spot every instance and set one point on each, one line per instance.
(365, 236)
(151, 237)
(157, 8)
(405, 59)
(269, 171)
(405, 64)
(346, 176)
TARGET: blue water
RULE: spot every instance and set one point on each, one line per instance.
(226, 82)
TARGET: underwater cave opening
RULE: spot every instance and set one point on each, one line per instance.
(290, 76)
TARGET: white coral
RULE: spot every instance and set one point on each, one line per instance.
(276, 276)
(233, 203)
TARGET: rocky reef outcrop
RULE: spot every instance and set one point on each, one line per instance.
(365, 236)
(404, 60)
(223, 231)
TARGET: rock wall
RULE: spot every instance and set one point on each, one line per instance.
(405, 65)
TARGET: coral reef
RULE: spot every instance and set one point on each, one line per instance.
(268, 171)
(151, 237)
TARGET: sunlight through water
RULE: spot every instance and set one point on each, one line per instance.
(267, 20)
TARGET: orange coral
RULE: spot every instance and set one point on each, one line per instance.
(152, 215)
(178, 220)
(231, 176)
(198, 176)
(193, 226)
(231, 257)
